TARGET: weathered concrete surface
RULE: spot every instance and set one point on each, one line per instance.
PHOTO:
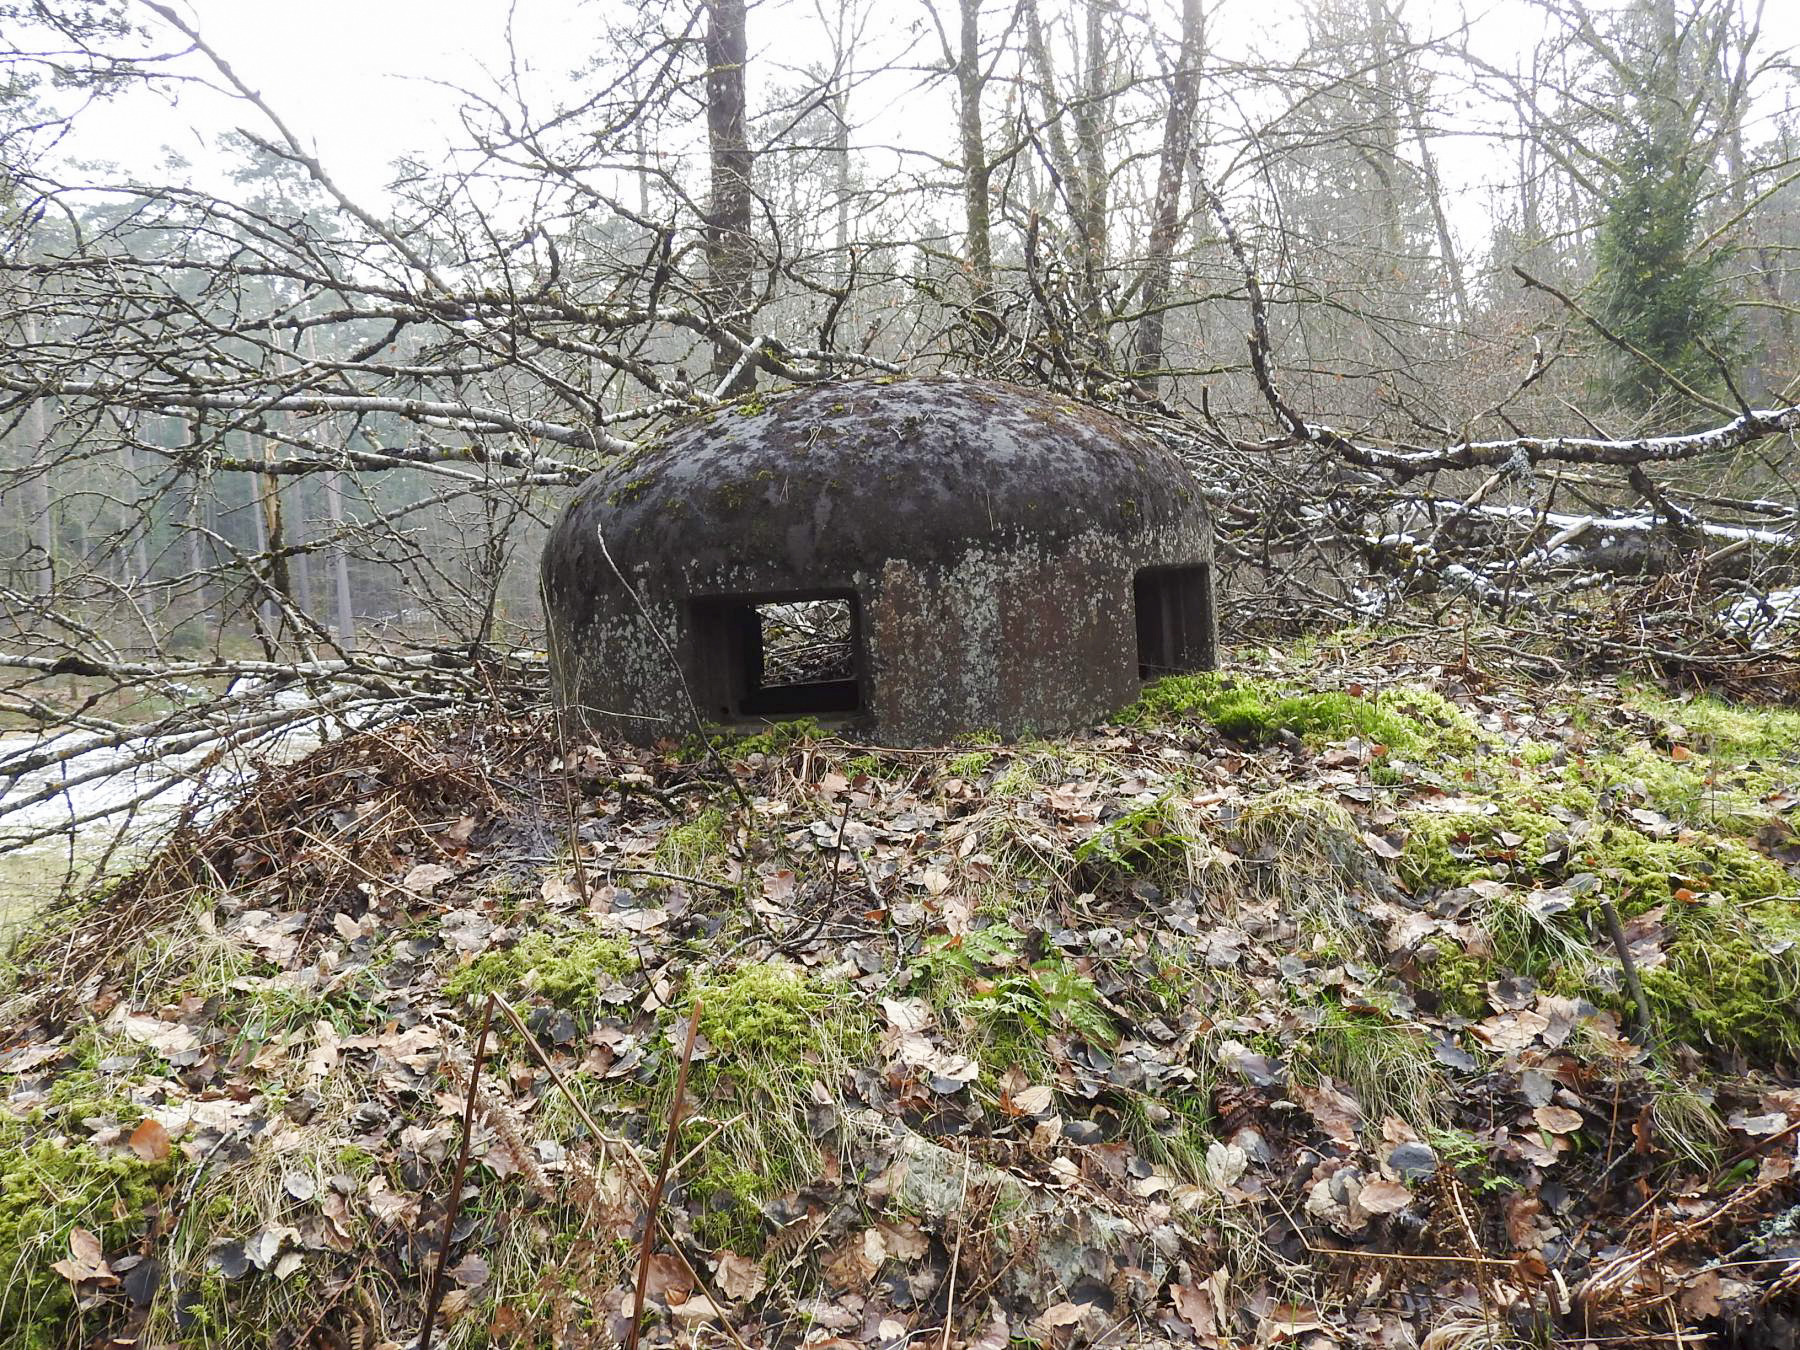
(989, 534)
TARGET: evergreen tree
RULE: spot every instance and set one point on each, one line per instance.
(1661, 290)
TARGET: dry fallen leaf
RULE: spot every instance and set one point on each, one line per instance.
(426, 878)
(1058, 1315)
(739, 1277)
(1557, 1119)
(903, 1240)
(1380, 847)
(1701, 1297)
(854, 1263)
(1195, 1304)
(1336, 1113)
(1382, 1196)
(471, 1271)
(150, 1141)
(698, 1308)
(668, 1280)
(84, 1261)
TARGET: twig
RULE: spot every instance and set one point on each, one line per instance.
(837, 856)
(454, 1203)
(1617, 932)
(726, 887)
(956, 1255)
(1759, 1145)
(653, 1205)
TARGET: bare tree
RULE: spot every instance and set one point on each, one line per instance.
(1165, 208)
(221, 389)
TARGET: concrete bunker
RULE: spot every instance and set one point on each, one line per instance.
(908, 559)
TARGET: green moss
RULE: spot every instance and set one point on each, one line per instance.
(1458, 978)
(1728, 993)
(1650, 871)
(779, 740)
(564, 968)
(730, 1209)
(1730, 978)
(731, 496)
(1728, 732)
(629, 492)
(1409, 720)
(769, 1012)
(877, 766)
(775, 1039)
(1712, 764)
(358, 1162)
(970, 765)
(48, 1188)
(1015, 780)
(84, 1095)
(1512, 836)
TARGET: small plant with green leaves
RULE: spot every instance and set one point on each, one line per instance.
(1147, 840)
(1465, 1155)
(698, 845)
(1046, 998)
(970, 764)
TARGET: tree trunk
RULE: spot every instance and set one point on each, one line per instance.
(39, 501)
(1072, 175)
(1090, 139)
(730, 252)
(1165, 215)
(340, 560)
(1434, 194)
(188, 434)
(271, 538)
(840, 111)
(976, 173)
(1383, 154)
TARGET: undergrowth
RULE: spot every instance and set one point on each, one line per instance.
(1345, 883)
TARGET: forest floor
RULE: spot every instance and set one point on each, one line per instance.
(1293, 1008)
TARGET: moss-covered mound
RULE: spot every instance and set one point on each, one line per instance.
(1167, 1031)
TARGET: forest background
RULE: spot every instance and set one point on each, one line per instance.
(1480, 317)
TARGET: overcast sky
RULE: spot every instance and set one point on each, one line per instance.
(359, 77)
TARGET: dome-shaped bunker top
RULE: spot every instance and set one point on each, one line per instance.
(835, 477)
